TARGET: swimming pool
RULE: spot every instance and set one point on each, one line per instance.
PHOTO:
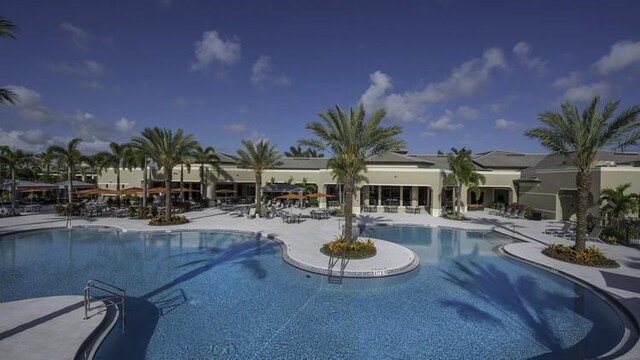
(230, 295)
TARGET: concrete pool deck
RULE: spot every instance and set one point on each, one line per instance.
(302, 241)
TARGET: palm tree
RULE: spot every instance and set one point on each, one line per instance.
(7, 30)
(258, 157)
(116, 159)
(579, 138)
(14, 160)
(138, 158)
(68, 156)
(44, 162)
(351, 140)
(297, 151)
(617, 204)
(92, 163)
(205, 156)
(463, 173)
(166, 149)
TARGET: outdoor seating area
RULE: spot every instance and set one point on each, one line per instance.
(412, 209)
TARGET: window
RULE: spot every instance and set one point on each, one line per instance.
(390, 195)
(423, 196)
(373, 195)
(406, 196)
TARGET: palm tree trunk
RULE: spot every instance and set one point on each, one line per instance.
(13, 190)
(583, 181)
(349, 185)
(118, 185)
(203, 189)
(258, 197)
(181, 182)
(70, 189)
(167, 188)
(144, 183)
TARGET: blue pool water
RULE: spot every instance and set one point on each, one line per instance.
(228, 295)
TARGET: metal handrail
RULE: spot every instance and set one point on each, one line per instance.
(117, 297)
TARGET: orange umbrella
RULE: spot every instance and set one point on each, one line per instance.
(97, 191)
(157, 190)
(131, 191)
(225, 191)
(291, 197)
(318, 195)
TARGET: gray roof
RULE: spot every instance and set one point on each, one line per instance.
(500, 159)
(438, 161)
(305, 163)
(26, 184)
(559, 162)
(396, 158)
(76, 184)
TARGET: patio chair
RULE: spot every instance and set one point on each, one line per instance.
(594, 235)
(564, 230)
(508, 212)
(251, 214)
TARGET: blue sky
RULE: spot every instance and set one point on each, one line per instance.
(451, 73)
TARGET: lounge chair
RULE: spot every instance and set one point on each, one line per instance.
(594, 235)
(251, 214)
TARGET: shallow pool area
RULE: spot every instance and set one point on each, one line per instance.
(230, 295)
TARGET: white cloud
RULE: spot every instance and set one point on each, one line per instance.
(444, 123)
(467, 113)
(179, 102)
(78, 36)
(522, 51)
(507, 125)
(125, 125)
(213, 49)
(235, 128)
(262, 74)
(621, 55)
(466, 80)
(92, 84)
(585, 92)
(572, 80)
(84, 68)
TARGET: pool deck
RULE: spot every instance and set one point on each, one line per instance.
(302, 241)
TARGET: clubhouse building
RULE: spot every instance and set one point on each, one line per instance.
(544, 182)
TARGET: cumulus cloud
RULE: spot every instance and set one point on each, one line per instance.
(125, 125)
(213, 49)
(582, 93)
(262, 74)
(85, 68)
(235, 128)
(467, 80)
(507, 125)
(522, 51)
(622, 54)
(572, 80)
(444, 123)
(43, 122)
(467, 113)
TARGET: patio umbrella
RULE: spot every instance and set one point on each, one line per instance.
(319, 195)
(291, 197)
(97, 191)
(131, 191)
(157, 190)
(181, 190)
(225, 191)
(33, 190)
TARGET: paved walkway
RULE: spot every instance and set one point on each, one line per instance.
(303, 240)
(44, 328)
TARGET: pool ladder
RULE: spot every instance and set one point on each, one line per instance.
(336, 276)
(106, 295)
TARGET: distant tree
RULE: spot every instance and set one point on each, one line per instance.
(14, 160)
(580, 137)
(617, 204)
(351, 140)
(258, 157)
(7, 30)
(68, 157)
(463, 173)
(116, 159)
(205, 156)
(167, 150)
(297, 151)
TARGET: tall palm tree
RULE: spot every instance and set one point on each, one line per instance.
(44, 162)
(68, 156)
(14, 160)
(92, 163)
(116, 159)
(205, 156)
(165, 148)
(258, 157)
(137, 157)
(351, 140)
(617, 204)
(580, 137)
(7, 30)
(463, 173)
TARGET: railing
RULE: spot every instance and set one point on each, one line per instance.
(110, 295)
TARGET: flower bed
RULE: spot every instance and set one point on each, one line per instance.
(174, 220)
(354, 249)
(591, 256)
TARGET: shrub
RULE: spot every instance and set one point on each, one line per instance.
(451, 215)
(174, 220)
(351, 249)
(591, 256)
(64, 210)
